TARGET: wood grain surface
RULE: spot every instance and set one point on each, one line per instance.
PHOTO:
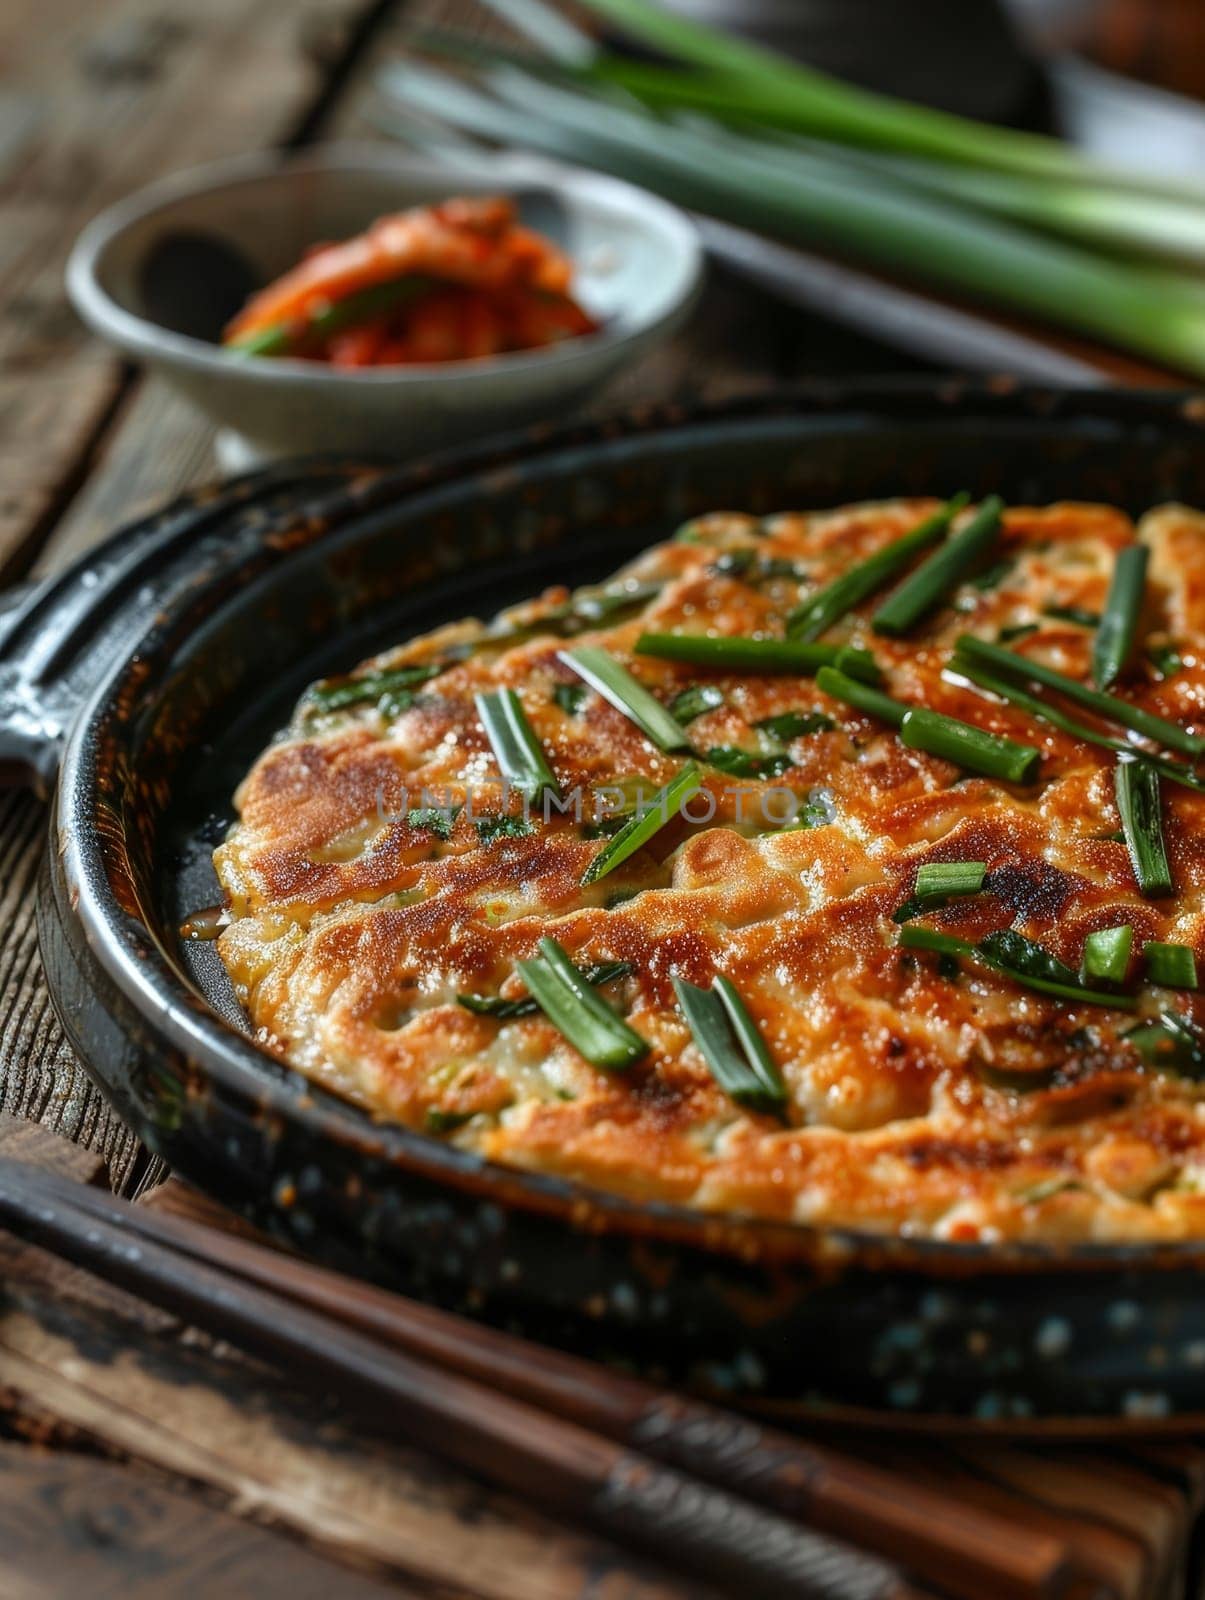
(129, 1384)
(98, 97)
(77, 1523)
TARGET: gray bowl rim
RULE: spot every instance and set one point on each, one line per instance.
(146, 340)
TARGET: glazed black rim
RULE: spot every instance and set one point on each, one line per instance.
(148, 977)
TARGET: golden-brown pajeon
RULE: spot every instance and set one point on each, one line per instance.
(377, 929)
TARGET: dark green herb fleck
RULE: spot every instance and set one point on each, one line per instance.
(439, 820)
(501, 827)
(795, 724)
(438, 1121)
(337, 694)
(571, 697)
(1173, 1043)
(693, 702)
(1075, 614)
(492, 1005)
(744, 763)
(991, 576)
(1165, 659)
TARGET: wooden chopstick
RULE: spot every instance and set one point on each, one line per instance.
(566, 1468)
(973, 1553)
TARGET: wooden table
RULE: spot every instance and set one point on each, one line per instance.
(134, 1460)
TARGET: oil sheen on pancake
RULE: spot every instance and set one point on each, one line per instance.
(379, 871)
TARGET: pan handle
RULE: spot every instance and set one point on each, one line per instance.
(59, 638)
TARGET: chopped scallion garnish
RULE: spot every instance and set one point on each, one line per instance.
(617, 685)
(520, 758)
(996, 684)
(809, 620)
(839, 686)
(587, 609)
(1016, 958)
(746, 763)
(335, 694)
(734, 1050)
(936, 881)
(935, 733)
(1172, 966)
(970, 649)
(1107, 954)
(610, 605)
(754, 568)
(574, 1007)
(1115, 636)
(968, 747)
(933, 580)
(726, 654)
(950, 877)
(1140, 804)
(634, 835)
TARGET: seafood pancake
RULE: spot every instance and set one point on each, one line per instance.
(965, 1061)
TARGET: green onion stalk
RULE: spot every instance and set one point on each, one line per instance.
(830, 204)
(1164, 229)
(739, 87)
(743, 80)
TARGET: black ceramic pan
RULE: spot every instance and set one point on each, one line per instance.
(139, 686)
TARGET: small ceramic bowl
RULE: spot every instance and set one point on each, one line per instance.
(159, 273)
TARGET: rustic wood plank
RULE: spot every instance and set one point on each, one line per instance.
(1121, 1562)
(162, 447)
(40, 1078)
(284, 1457)
(111, 95)
(36, 1144)
(1088, 1484)
(94, 100)
(83, 1525)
